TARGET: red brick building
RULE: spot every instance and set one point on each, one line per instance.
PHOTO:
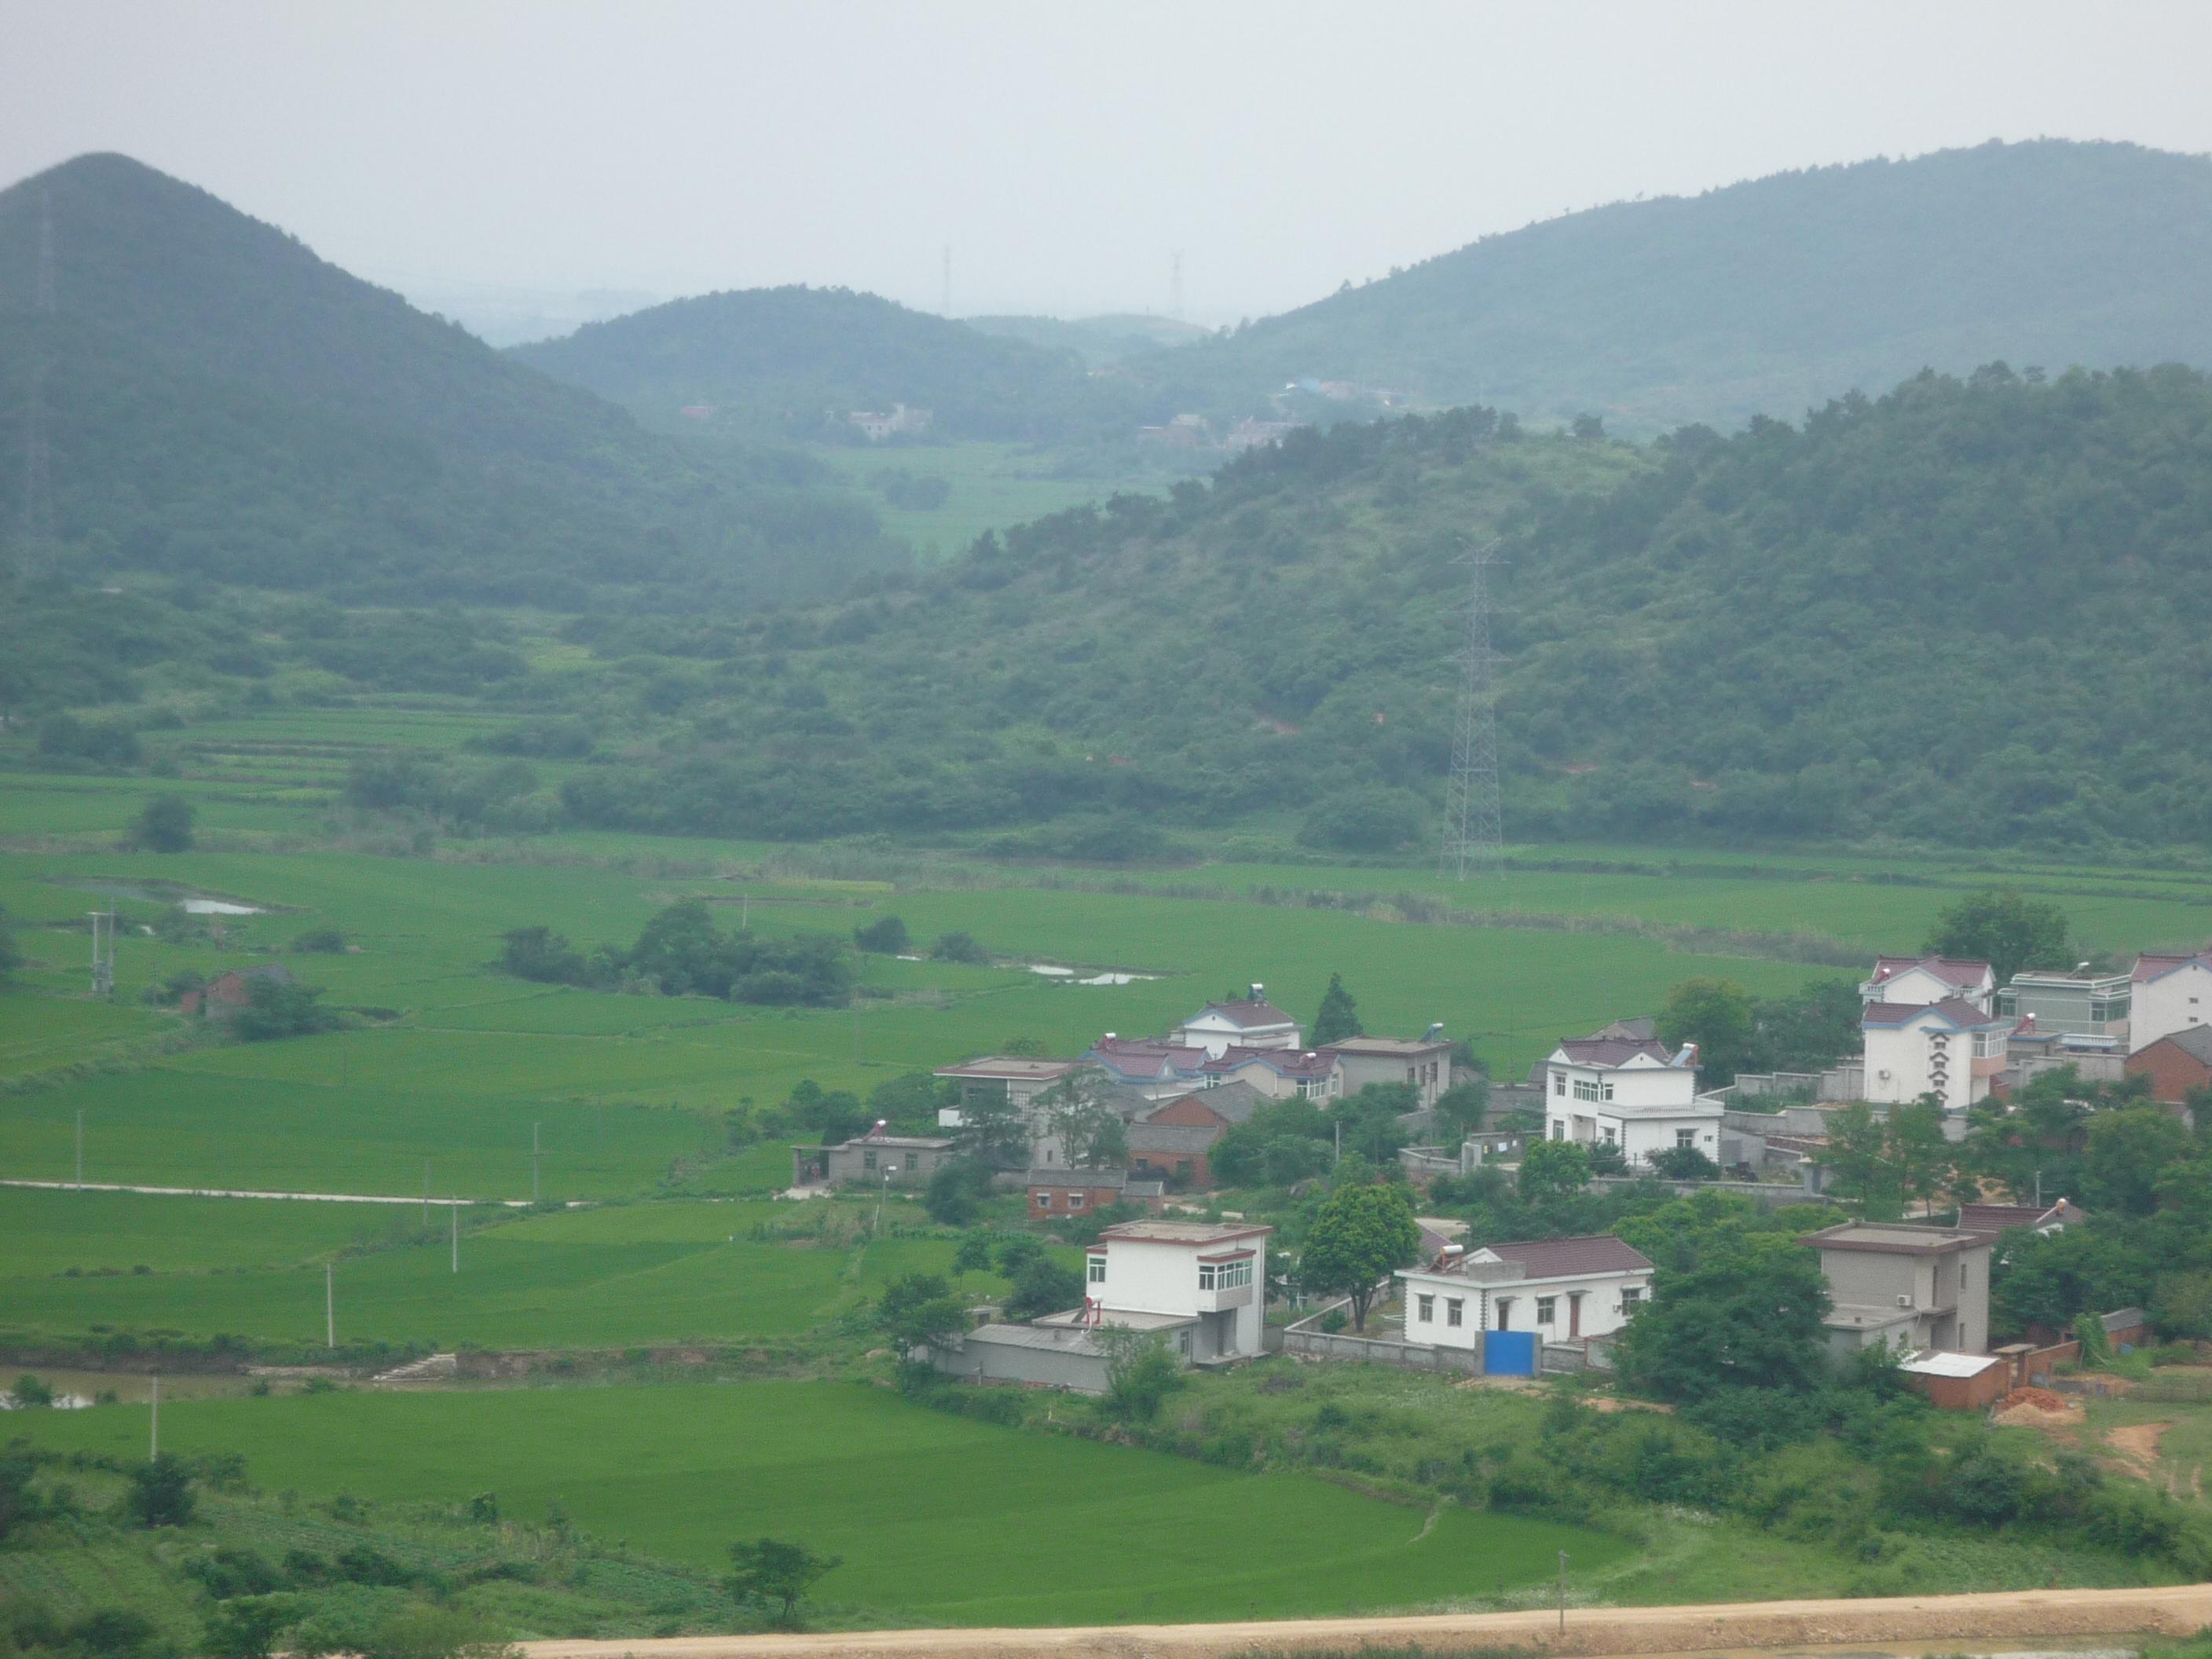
(2176, 1064)
(1059, 1193)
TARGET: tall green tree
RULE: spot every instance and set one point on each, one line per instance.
(1077, 1111)
(2004, 928)
(164, 824)
(920, 1310)
(1552, 1169)
(1357, 1236)
(1752, 1319)
(1858, 1154)
(161, 1493)
(1716, 1014)
(1918, 1154)
(1339, 1016)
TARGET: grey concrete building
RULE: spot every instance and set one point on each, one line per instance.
(871, 1160)
(1912, 1287)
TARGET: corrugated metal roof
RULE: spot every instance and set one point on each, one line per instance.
(1933, 1364)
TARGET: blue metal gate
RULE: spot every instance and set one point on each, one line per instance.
(1509, 1353)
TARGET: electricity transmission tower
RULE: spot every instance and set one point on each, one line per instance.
(36, 534)
(1474, 831)
(103, 953)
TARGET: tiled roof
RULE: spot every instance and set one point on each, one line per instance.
(1959, 1012)
(1641, 1029)
(1612, 1051)
(1961, 971)
(1085, 1179)
(1186, 1138)
(1996, 1218)
(1247, 1013)
(2195, 1041)
(1233, 1101)
(1561, 1258)
(1287, 1062)
(2157, 967)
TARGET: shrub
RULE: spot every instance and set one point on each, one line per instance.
(164, 824)
(959, 947)
(886, 936)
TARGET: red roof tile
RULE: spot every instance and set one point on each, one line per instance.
(1559, 1258)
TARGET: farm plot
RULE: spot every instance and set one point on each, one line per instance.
(939, 1519)
(54, 1232)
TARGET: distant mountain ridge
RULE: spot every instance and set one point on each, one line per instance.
(222, 401)
(795, 361)
(1766, 297)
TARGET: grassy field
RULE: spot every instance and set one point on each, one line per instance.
(617, 1277)
(939, 1519)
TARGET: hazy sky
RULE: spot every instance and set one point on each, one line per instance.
(1064, 151)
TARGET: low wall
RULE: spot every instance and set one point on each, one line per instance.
(1374, 1351)
(1765, 1193)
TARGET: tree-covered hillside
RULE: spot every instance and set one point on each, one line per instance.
(794, 362)
(220, 403)
(1768, 297)
(1970, 612)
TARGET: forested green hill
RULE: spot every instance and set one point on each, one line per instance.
(1100, 341)
(222, 405)
(1972, 612)
(1768, 297)
(793, 360)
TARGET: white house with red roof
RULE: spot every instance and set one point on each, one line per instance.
(1952, 1049)
(1250, 1022)
(1154, 1066)
(1925, 980)
(1279, 1073)
(1632, 1093)
(2169, 993)
(1563, 1289)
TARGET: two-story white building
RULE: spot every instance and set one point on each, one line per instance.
(1923, 980)
(1250, 1022)
(2168, 993)
(1563, 1289)
(1951, 1050)
(1634, 1094)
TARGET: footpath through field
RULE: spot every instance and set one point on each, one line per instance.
(2170, 1610)
(242, 1191)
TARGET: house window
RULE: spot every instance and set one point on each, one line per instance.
(1044, 1201)
(1586, 1089)
(1426, 1308)
(867, 1160)
(1455, 1311)
(1224, 1275)
(913, 1160)
(1605, 1091)
(1547, 1309)
(1559, 1083)
(1558, 1128)
(1182, 1342)
(1612, 1134)
(1075, 1201)
(1686, 1137)
(1097, 1266)
(1630, 1295)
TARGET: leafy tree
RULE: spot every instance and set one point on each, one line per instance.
(959, 947)
(277, 1008)
(1460, 1110)
(160, 1493)
(1716, 1014)
(541, 954)
(911, 1100)
(320, 941)
(1041, 1285)
(994, 1131)
(1077, 1111)
(19, 1504)
(164, 824)
(1606, 1158)
(1806, 1030)
(1750, 1321)
(2001, 927)
(2127, 1150)
(1380, 822)
(920, 1310)
(886, 936)
(245, 1627)
(1918, 1154)
(1283, 1142)
(30, 1394)
(11, 955)
(1553, 1170)
(956, 1192)
(973, 1254)
(1358, 1236)
(772, 1573)
(1370, 1119)
(1682, 1163)
(1141, 1372)
(1339, 1018)
(1858, 1153)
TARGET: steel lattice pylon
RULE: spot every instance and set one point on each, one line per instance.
(1475, 828)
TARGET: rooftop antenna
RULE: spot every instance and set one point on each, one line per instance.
(1175, 285)
(1474, 833)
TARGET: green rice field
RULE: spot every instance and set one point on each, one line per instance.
(939, 1519)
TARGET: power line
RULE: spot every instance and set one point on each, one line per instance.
(1475, 830)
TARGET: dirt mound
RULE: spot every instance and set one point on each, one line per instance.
(2041, 1398)
(2039, 1408)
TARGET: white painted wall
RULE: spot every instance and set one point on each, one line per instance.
(2173, 1002)
(1146, 1275)
(1917, 988)
(1906, 1053)
(1602, 1310)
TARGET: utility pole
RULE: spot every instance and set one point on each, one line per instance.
(533, 1163)
(1563, 1592)
(153, 1441)
(426, 1194)
(1473, 826)
(881, 1193)
(456, 1212)
(80, 1148)
(103, 953)
(1175, 285)
(330, 1306)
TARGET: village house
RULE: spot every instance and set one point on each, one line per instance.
(875, 425)
(1200, 1287)
(872, 1159)
(1173, 1141)
(1424, 1066)
(1912, 1287)
(1563, 1290)
(2079, 1003)
(1919, 979)
(1995, 1219)
(2167, 994)
(222, 996)
(1632, 1094)
(2178, 1064)
(1250, 1022)
(1952, 1049)
(1015, 1079)
(1278, 1073)
(1060, 1192)
(1152, 1066)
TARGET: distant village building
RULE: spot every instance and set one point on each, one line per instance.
(1061, 1193)
(2077, 1004)
(1995, 1219)
(1908, 1286)
(1917, 980)
(1565, 1290)
(872, 1159)
(1250, 1022)
(2178, 1065)
(1636, 1094)
(2168, 993)
(1425, 1065)
(1951, 1050)
(876, 426)
(222, 997)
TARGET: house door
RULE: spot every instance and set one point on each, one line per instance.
(1504, 1311)
(1574, 1314)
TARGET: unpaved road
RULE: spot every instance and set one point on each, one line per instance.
(1938, 1620)
(243, 1192)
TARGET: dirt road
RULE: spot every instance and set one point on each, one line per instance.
(2176, 1610)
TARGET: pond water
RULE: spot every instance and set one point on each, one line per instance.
(1077, 977)
(166, 892)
